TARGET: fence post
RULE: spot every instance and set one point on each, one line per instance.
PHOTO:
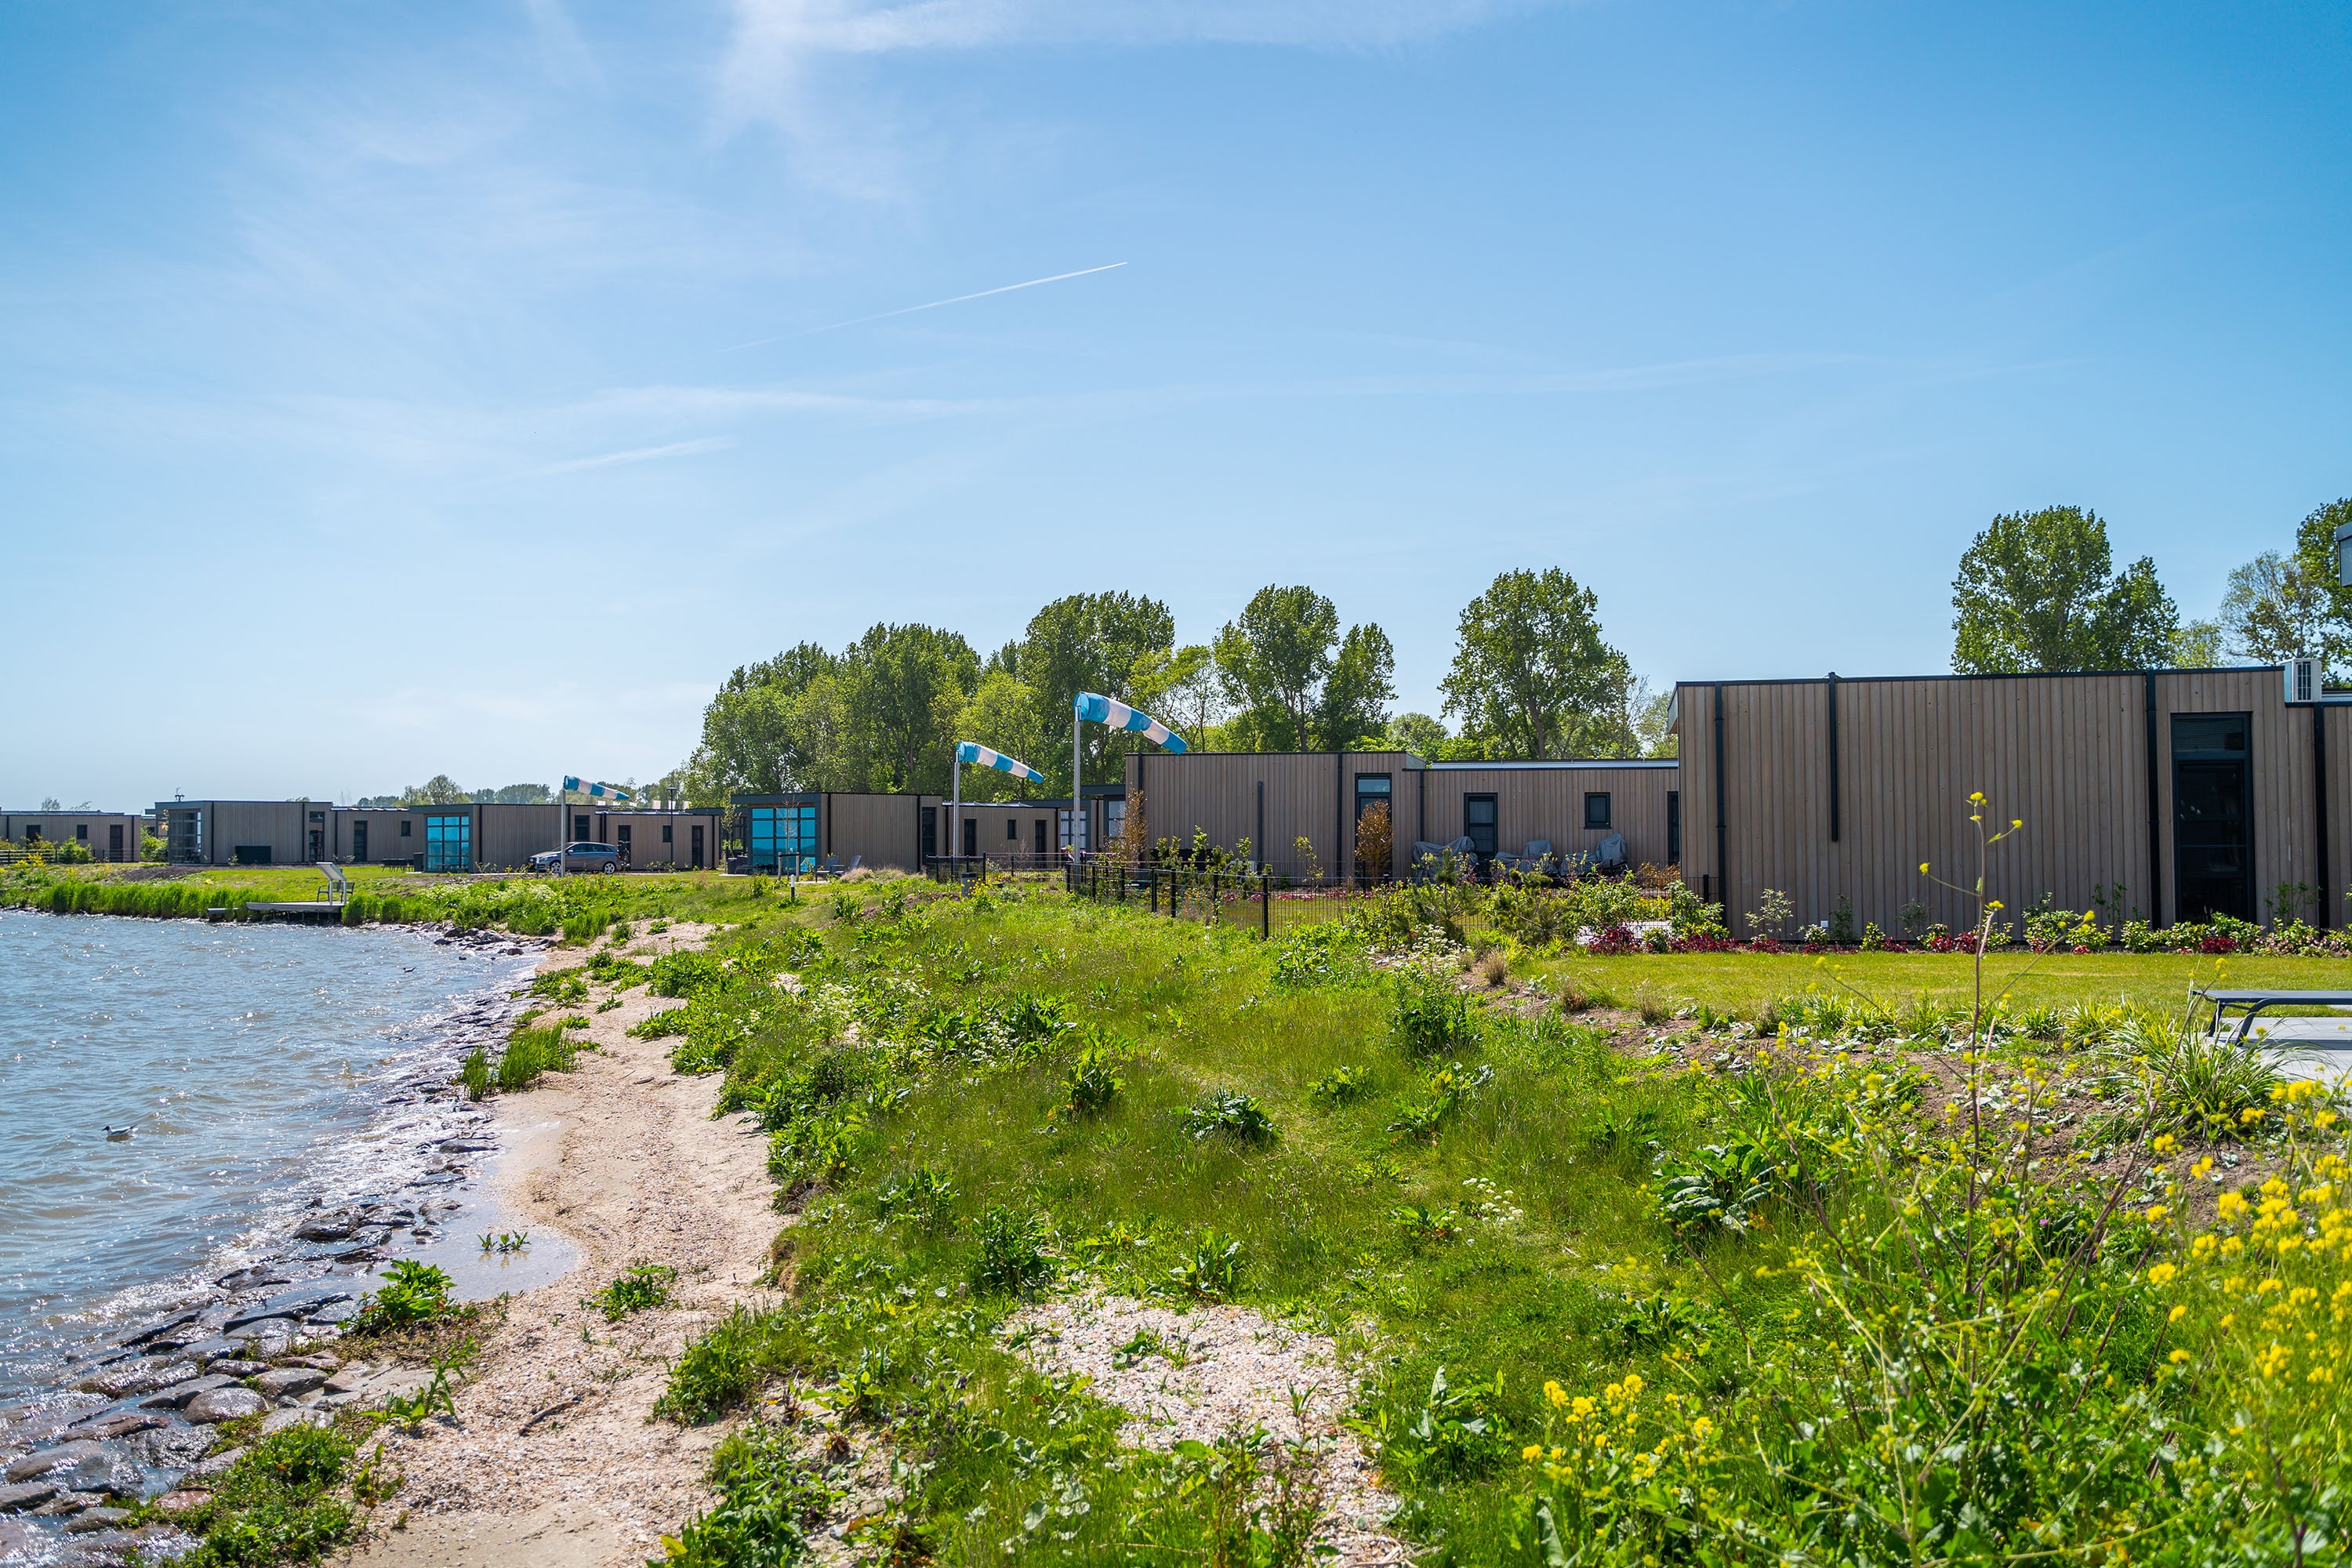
(1265, 907)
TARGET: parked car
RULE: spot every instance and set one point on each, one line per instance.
(582, 856)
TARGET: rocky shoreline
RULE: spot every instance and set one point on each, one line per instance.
(137, 1416)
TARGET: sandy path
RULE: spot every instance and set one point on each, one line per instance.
(552, 1458)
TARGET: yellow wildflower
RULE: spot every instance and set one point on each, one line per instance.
(2179, 1357)
(2178, 1313)
(2162, 1274)
(1532, 1452)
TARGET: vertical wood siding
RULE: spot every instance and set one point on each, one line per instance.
(1549, 803)
(2064, 754)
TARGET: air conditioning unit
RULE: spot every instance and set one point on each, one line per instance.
(2303, 679)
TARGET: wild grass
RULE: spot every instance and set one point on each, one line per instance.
(1491, 1208)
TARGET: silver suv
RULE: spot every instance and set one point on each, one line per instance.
(582, 857)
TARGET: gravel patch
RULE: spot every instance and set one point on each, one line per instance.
(1240, 1369)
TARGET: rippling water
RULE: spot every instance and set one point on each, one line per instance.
(253, 1062)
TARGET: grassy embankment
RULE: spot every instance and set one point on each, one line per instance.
(577, 907)
(1756, 1299)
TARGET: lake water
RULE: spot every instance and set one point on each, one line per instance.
(263, 1068)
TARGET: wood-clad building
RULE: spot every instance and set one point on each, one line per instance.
(2171, 793)
(112, 835)
(1274, 800)
(461, 836)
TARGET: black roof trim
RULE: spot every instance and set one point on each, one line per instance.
(2003, 675)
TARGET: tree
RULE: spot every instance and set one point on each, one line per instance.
(1353, 711)
(1091, 642)
(1298, 684)
(1653, 719)
(439, 790)
(1179, 687)
(2282, 607)
(1004, 713)
(2034, 592)
(905, 687)
(2199, 645)
(1532, 675)
(1423, 736)
(2276, 608)
(763, 733)
(1272, 662)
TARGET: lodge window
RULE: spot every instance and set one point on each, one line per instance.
(580, 824)
(666, 834)
(621, 841)
(2212, 815)
(404, 828)
(1596, 808)
(1674, 827)
(1114, 819)
(81, 831)
(1479, 824)
(449, 843)
(781, 834)
(1012, 831)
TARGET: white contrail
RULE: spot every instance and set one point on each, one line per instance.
(910, 310)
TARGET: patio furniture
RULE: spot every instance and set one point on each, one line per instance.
(2248, 1004)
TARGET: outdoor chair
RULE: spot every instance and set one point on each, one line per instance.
(1609, 855)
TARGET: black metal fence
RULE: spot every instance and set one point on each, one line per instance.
(1231, 895)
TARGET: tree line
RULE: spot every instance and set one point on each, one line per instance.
(1532, 676)
(2040, 591)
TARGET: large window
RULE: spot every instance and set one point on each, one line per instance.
(783, 838)
(449, 843)
(1479, 824)
(1114, 821)
(2212, 816)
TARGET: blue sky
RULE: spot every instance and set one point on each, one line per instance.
(394, 390)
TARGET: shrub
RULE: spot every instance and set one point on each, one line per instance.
(276, 1503)
(768, 1501)
(411, 1292)
(474, 1073)
(1232, 1113)
(923, 1195)
(530, 1052)
(1428, 1016)
(1210, 1268)
(641, 1286)
(686, 973)
(1340, 1086)
(1721, 1187)
(1015, 1257)
(723, 1369)
(1091, 1082)
(2208, 1086)
(1445, 1090)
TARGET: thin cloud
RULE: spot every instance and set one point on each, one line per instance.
(766, 28)
(640, 454)
(774, 71)
(910, 310)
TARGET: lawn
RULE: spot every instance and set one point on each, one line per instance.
(1724, 1301)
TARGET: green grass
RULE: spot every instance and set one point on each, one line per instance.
(1740, 982)
(1474, 1203)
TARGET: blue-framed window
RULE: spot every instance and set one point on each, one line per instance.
(783, 838)
(449, 843)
